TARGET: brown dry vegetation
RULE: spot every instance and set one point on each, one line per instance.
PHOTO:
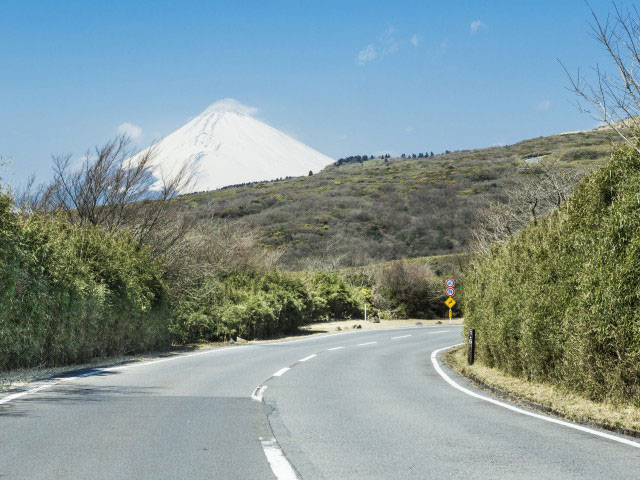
(381, 210)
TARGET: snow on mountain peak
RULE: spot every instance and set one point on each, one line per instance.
(231, 105)
(227, 146)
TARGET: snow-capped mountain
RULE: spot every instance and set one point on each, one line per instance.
(228, 147)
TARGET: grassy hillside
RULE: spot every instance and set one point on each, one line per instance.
(381, 210)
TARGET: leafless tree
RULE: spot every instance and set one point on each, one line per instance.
(539, 189)
(613, 99)
(117, 189)
(214, 247)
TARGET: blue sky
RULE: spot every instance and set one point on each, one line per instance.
(345, 77)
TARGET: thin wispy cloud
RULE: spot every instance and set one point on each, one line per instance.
(476, 26)
(232, 105)
(415, 40)
(543, 106)
(130, 130)
(409, 130)
(388, 41)
(367, 54)
(386, 44)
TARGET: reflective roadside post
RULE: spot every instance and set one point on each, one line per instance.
(471, 346)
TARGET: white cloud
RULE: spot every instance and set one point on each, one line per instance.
(477, 25)
(387, 44)
(342, 136)
(415, 40)
(232, 105)
(367, 54)
(388, 41)
(543, 106)
(129, 129)
(409, 130)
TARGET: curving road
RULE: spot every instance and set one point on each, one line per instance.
(357, 405)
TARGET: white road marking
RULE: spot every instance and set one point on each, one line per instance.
(308, 358)
(281, 372)
(245, 348)
(334, 348)
(368, 343)
(13, 396)
(575, 426)
(401, 336)
(440, 331)
(258, 392)
(279, 464)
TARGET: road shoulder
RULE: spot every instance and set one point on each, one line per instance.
(622, 419)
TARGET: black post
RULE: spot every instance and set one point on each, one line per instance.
(471, 346)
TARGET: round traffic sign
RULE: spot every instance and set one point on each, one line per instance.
(451, 283)
(451, 292)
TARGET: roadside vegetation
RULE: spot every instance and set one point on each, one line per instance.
(102, 262)
(559, 302)
(554, 299)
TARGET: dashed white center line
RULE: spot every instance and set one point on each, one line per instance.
(281, 372)
(401, 336)
(368, 343)
(257, 394)
(334, 348)
(308, 358)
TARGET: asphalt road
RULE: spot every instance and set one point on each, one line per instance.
(375, 408)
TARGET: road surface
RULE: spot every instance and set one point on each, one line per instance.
(356, 405)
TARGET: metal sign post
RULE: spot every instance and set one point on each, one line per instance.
(450, 291)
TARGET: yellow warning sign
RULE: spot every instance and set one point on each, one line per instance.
(449, 302)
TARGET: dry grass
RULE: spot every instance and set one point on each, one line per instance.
(566, 404)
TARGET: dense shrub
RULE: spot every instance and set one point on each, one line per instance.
(262, 304)
(69, 293)
(560, 302)
(249, 305)
(332, 296)
(408, 289)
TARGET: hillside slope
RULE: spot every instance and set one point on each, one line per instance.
(387, 209)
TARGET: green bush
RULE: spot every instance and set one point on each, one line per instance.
(560, 302)
(332, 296)
(69, 292)
(249, 305)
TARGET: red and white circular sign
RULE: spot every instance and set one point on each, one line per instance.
(451, 292)
(451, 283)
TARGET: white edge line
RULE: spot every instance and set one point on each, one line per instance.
(13, 396)
(258, 393)
(439, 331)
(281, 372)
(334, 348)
(279, 464)
(368, 343)
(308, 358)
(575, 426)
(401, 336)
